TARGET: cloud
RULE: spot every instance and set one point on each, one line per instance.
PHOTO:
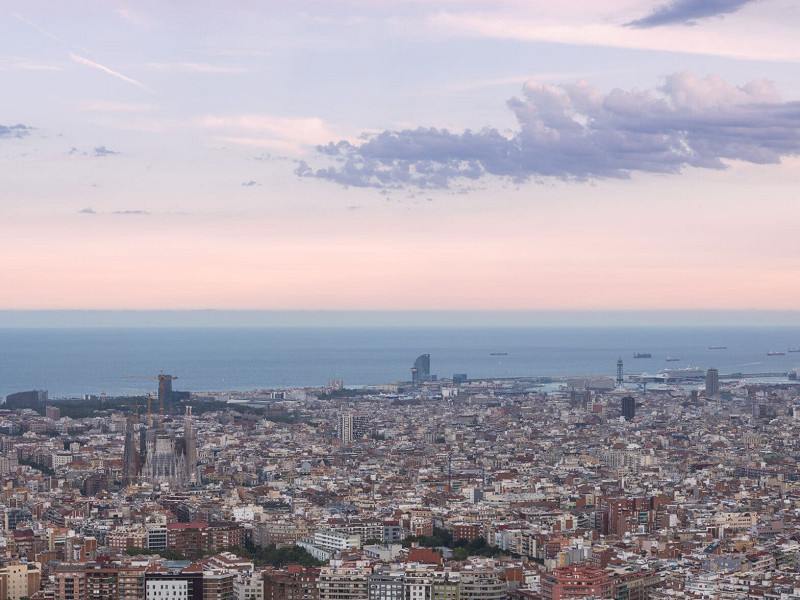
(21, 64)
(291, 135)
(132, 16)
(576, 132)
(37, 27)
(14, 131)
(250, 183)
(90, 211)
(117, 107)
(685, 12)
(590, 24)
(103, 151)
(89, 63)
(193, 67)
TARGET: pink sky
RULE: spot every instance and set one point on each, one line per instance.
(582, 253)
(170, 161)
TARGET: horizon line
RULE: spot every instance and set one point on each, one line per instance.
(436, 318)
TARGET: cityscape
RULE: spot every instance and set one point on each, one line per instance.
(430, 488)
(399, 300)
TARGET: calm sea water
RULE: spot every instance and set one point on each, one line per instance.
(73, 362)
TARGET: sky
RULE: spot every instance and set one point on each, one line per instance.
(400, 155)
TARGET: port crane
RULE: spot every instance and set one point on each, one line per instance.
(161, 379)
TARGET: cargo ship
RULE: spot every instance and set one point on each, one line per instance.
(498, 353)
(642, 355)
(670, 359)
(774, 353)
(717, 347)
(794, 349)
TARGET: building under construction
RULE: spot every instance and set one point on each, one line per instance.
(163, 457)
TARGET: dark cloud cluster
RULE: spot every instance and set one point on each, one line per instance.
(687, 12)
(14, 131)
(422, 157)
(90, 211)
(577, 132)
(103, 151)
(250, 183)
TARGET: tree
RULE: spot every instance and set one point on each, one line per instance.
(274, 556)
(460, 554)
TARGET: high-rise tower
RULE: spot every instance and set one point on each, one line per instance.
(619, 373)
(421, 371)
(712, 382)
(628, 408)
(351, 427)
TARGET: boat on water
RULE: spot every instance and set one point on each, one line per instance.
(670, 359)
(794, 349)
(498, 353)
(642, 355)
(717, 347)
(774, 353)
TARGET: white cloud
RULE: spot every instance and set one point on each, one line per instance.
(132, 16)
(732, 38)
(192, 67)
(288, 134)
(22, 64)
(474, 84)
(117, 107)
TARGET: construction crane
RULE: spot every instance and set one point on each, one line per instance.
(161, 379)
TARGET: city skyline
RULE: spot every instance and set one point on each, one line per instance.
(450, 156)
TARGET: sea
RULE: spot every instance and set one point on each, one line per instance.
(69, 363)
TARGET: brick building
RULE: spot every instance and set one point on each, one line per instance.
(577, 581)
(70, 581)
(198, 538)
(292, 583)
(467, 531)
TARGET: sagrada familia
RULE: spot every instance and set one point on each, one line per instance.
(160, 457)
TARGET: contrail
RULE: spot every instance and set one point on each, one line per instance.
(80, 59)
(104, 69)
(37, 27)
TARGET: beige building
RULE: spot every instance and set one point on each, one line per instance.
(481, 584)
(19, 580)
(344, 581)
